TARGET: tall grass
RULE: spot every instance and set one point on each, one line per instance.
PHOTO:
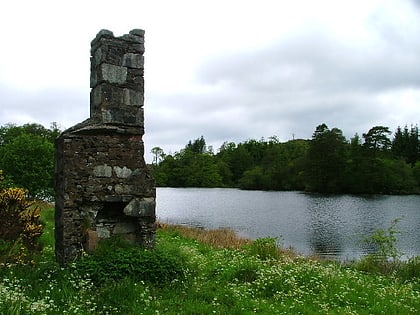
(221, 274)
(218, 238)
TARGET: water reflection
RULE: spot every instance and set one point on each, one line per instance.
(323, 226)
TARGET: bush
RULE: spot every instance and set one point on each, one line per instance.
(115, 260)
(386, 259)
(384, 241)
(19, 218)
(20, 225)
(264, 248)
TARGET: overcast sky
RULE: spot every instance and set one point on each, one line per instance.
(227, 70)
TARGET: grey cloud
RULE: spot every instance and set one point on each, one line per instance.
(312, 78)
(317, 61)
(64, 106)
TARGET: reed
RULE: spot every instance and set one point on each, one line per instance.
(218, 238)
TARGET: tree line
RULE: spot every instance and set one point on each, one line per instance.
(376, 162)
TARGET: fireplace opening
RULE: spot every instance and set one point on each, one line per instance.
(111, 221)
(111, 211)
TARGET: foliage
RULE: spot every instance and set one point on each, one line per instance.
(10, 131)
(27, 157)
(254, 179)
(264, 248)
(386, 255)
(325, 160)
(385, 242)
(20, 225)
(406, 144)
(416, 172)
(192, 167)
(158, 154)
(376, 139)
(115, 259)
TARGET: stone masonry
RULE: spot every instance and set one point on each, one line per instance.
(103, 187)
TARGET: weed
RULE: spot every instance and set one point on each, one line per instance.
(385, 242)
(220, 238)
(386, 258)
(264, 248)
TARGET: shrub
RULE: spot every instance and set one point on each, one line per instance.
(410, 269)
(115, 259)
(20, 225)
(264, 248)
(19, 218)
(386, 258)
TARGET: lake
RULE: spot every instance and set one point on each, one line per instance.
(330, 226)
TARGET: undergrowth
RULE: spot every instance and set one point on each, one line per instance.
(115, 259)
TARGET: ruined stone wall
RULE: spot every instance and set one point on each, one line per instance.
(103, 187)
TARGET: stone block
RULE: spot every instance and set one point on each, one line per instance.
(98, 57)
(122, 172)
(141, 207)
(107, 96)
(124, 189)
(112, 73)
(131, 60)
(132, 116)
(102, 171)
(137, 32)
(134, 38)
(133, 97)
(124, 227)
(103, 231)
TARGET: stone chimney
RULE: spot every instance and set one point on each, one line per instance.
(103, 187)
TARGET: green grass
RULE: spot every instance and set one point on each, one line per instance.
(249, 279)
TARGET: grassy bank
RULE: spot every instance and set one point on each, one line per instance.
(200, 272)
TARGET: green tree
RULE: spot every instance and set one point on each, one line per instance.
(225, 161)
(194, 166)
(406, 144)
(398, 177)
(283, 164)
(355, 168)
(27, 156)
(11, 131)
(29, 159)
(416, 172)
(240, 160)
(197, 146)
(254, 179)
(326, 160)
(158, 155)
(377, 139)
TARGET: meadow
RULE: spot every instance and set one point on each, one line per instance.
(195, 271)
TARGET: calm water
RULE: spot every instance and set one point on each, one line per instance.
(330, 226)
